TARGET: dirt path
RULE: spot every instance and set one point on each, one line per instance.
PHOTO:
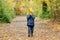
(17, 30)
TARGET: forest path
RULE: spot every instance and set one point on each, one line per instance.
(17, 30)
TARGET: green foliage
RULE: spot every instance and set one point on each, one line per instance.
(45, 15)
(6, 13)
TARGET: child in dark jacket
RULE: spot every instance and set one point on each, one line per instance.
(30, 23)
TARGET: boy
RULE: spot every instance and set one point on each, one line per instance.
(30, 22)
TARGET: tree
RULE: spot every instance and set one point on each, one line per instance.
(55, 8)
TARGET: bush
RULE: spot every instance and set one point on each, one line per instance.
(6, 13)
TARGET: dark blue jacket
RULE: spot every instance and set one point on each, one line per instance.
(30, 20)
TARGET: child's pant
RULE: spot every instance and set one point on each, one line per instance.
(30, 30)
